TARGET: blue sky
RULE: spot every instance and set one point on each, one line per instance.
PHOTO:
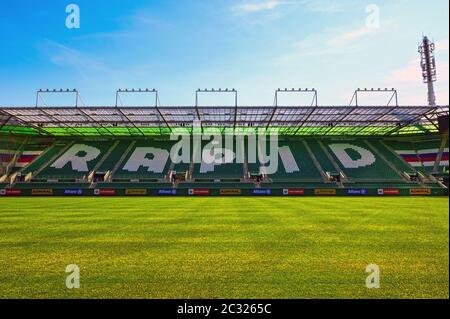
(254, 46)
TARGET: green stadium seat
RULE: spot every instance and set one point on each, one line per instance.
(294, 163)
(367, 162)
(45, 157)
(231, 170)
(359, 162)
(64, 168)
(320, 155)
(110, 162)
(132, 167)
(421, 154)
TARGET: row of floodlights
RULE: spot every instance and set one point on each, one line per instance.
(379, 89)
(199, 90)
(60, 90)
(296, 90)
(75, 90)
(216, 90)
(136, 90)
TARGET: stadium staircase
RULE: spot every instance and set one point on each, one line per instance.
(121, 160)
(330, 158)
(190, 172)
(171, 170)
(245, 169)
(252, 168)
(12, 164)
(7, 154)
(444, 144)
(182, 169)
(106, 157)
(115, 158)
(402, 165)
(48, 157)
(317, 164)
(383, 157)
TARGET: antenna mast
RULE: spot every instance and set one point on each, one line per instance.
(428, 65)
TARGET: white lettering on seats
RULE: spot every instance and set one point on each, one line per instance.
(139, 159)
(213, 156)
(73, 156)
(289, 163)
(272, 158)
(340, 150)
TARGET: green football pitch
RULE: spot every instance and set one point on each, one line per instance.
(224, 247)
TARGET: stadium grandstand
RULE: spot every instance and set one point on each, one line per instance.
(322, 150)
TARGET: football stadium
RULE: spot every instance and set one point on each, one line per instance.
(321, 150)
(228, 201)
(110, 189)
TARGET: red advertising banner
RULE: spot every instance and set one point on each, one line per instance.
(389, 191)
(13, 192)
(294, 192)
(199, 192)
(107, 192)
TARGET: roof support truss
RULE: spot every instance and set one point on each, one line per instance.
(293, 119)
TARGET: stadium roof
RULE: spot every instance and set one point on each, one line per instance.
(153, 121)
